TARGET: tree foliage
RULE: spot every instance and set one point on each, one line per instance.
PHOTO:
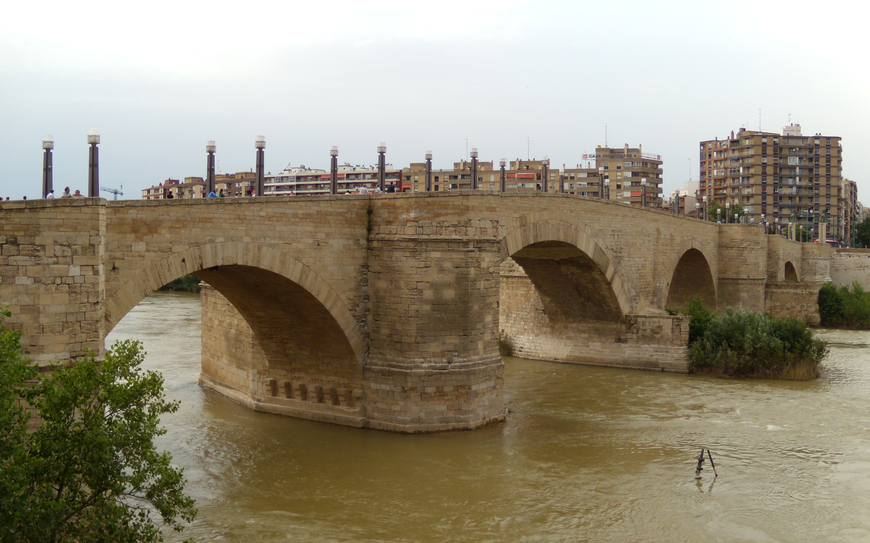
(90, 470)
(862, 236)
(736, 208)
(847, 307)
(701, 317)
(746, 344)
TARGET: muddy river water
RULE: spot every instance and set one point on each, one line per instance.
(586, 454)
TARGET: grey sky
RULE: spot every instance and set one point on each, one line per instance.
(159, 79)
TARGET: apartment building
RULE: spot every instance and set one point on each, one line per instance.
(851, 212)
(630, 173)
(778, 178)
(233, 184)
(301, 180)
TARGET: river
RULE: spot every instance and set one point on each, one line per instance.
(586, 454)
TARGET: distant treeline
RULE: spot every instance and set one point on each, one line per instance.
(844, 307)
(188, 283)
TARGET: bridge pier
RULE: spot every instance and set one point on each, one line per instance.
(433, 359)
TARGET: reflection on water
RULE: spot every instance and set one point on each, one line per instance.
(595, 454)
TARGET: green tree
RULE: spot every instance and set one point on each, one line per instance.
(862, 237)
(735, 208)
(89, 471)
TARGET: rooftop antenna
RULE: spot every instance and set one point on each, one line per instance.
(528, 148)
(605, 136)
(466, 149)
(789, 118)
(759, 119)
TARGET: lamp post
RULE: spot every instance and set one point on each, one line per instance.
(260, 144)
(607, 189)
(382, 166)
(93, 163)
(210, 148)
(545, 167)
(810, 224)
(718, 214)
(428, 171)
(697, 209)
(643, 183)
(47, 183)
(727, 211)
(333, 175)
(503, 180)
(601, 181)
(562, 180)
(705, 207)
(600, 186)
(474, 168)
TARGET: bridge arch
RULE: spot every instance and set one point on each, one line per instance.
(225, 264)
(691, 277)
(558, 253)
(790, 273)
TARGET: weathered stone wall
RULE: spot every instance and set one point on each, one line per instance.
(235, 364)
(851, 265)
(742, 266)
(51, 255)
(816, 262)
(795, 300)
(653, 342)
(780, 250)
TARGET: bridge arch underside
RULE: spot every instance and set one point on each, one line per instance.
(556, 303)
(270, 344)
(692, 278)
(790, 274)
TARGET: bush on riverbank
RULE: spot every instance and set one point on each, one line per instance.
(188, 283)
(745, 344)
(847, 307)
(701, 317)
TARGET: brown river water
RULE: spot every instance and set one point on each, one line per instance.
(586, 454)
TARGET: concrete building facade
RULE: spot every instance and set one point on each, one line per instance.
(777, 178)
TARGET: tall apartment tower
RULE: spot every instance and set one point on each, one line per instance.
(625, 169)
(778, 178)
(850, 212)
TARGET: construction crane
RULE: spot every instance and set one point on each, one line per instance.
(116, 192)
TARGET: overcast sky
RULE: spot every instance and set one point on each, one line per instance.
(512, 78)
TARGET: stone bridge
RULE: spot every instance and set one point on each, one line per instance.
(386, 311)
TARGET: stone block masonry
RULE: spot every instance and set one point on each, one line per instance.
(384, 311)
(51, 268)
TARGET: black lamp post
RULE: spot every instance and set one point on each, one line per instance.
(333, 175)
(602, 182)
(47, 183)
(428, 171)
(503, 180)
(545, 167)
(704, 215)
(474, 168)
(382, 166)
(93, 163)
(260, 144)
(210, 148)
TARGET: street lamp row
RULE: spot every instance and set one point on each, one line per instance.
(260, 145)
